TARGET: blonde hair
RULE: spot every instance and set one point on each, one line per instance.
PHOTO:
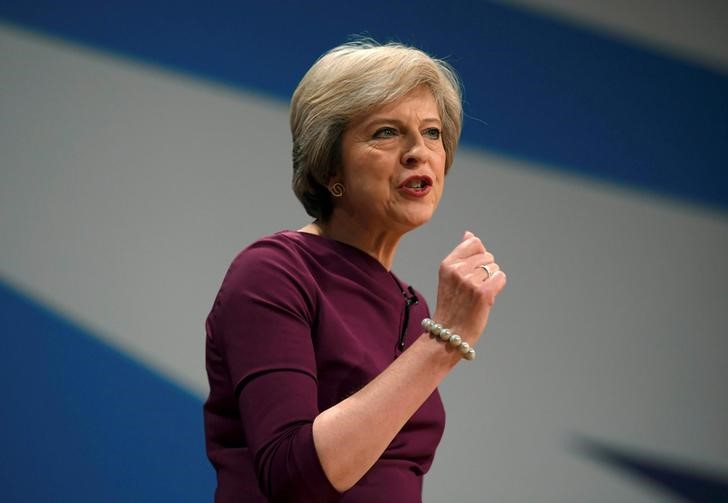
(347, 81)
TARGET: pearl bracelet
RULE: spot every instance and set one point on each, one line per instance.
(447, 336)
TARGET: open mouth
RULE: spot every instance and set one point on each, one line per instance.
(417, 183)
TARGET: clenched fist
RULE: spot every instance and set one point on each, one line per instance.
(469, 282)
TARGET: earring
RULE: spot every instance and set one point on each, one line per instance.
(337, 189)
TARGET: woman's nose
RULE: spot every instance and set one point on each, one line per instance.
(414, 153)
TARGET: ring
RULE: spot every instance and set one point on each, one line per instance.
(487, 271)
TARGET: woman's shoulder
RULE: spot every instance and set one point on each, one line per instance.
(271, 267)
(279, 251)
(285, 242)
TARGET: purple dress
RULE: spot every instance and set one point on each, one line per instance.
(300, 323)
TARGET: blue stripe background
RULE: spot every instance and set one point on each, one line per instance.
(82, 422)
(540, 89)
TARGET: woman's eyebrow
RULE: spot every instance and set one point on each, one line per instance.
(391, 120)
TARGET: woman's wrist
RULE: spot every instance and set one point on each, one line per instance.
(449, 338)
(440, 358)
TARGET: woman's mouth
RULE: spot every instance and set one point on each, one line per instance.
(416, 185)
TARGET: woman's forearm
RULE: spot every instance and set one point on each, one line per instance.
(351, 436)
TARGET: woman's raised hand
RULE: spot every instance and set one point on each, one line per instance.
(469, 282)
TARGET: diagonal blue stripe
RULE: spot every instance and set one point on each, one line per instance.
(549, 91)
(81, 422)
(680, 480)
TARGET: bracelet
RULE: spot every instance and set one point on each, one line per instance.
(447, 336)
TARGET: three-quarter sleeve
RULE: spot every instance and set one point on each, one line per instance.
(262, 320)
(277, 409)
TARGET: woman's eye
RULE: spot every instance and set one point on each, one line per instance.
(433, 133)
(385, 132)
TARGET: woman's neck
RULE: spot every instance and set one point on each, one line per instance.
(382, 245)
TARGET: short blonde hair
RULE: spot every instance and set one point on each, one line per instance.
(347, 81)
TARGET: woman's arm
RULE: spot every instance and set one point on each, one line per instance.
(367, 421)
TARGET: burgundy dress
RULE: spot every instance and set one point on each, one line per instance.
(300, 323)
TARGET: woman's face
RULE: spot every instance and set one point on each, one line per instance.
(393, 164)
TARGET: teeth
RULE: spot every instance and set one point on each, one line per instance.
(416, 184)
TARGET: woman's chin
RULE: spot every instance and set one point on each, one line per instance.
(416, 219)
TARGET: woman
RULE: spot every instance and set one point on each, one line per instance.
(321, 389)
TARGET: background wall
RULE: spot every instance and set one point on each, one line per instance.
(143, 145)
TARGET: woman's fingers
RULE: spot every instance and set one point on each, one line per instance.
(470, 280)
(494, 285)
(469, 246)
(486, 269)
(468, 260)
